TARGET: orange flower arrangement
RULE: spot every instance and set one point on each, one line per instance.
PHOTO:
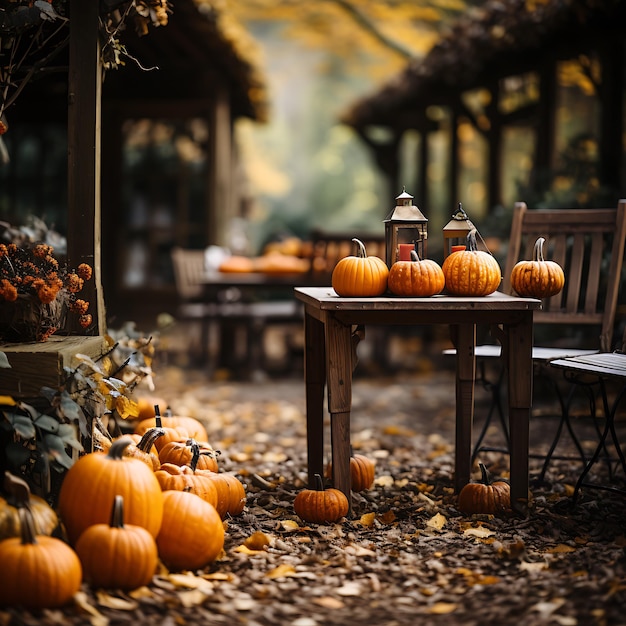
(36, 294)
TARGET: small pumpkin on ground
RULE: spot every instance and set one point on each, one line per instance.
(489, 495)
(182, 453)
(418, 278)
(537, 278)
(231, 494)
(362, 472)
(144, 449)
(183, 478)
(192, 533)
(18, 496)
(321, 505)
(37, 571)
(91, 484)
(471, 272)
(360, 275)
(117, 555)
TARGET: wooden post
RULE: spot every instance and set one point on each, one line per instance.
(84, 91)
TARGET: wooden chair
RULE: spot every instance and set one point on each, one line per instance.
(600, 370)
(589, 246)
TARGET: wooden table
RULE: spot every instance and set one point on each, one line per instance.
(329, 341)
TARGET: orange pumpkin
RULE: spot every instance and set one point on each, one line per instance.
(416, 278)
(185, 478)
(360, 276)
(537, 278)
(231, 494)
(192, 533)
(193, 427)
(190, 452)
(362, 472)
(471, 272)
(321, 505)
(489, 495)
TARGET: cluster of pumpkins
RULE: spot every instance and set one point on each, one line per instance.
(469, 272)
(155, 495)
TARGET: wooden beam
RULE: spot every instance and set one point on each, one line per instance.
(84, 99)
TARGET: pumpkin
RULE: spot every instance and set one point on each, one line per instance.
(416, 278)
(537, 278)
(193, 428)
(18, 496)
(184, 478)
(237, 264)
(320, 505)
(91, 484)
(183, 452)
(146, 406)
(231, 494)
(144, 449)
(471, 272)
(37, 571)
(117, 555)
(360, 276)
(362, 471)
(489, 495)
(192, 533)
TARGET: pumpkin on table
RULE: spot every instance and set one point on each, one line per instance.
(192, 533)
(18, 496)
(91, 484)
(117, 555)
(360, 275)
(418, 278)
(37, 571)
(321, 505)
(471, 272)
(537, 278)
(489, 495)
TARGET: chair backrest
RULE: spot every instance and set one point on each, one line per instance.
(188, 272)
(589, 245)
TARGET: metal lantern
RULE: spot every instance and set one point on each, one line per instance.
(455, 232)
(406, 229)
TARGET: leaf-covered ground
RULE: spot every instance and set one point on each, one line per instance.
(405, 557)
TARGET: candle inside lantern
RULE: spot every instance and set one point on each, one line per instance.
(457, 249)
(405, 251)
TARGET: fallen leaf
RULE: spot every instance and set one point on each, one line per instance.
(329, 603)
(437, 522)
(479, 532)
(257, 541)
(442, 608)
(282, 571)
(96, 618)
(193, 597)
(367, 519)
(351, 588)
(561, 549)
(113, 602)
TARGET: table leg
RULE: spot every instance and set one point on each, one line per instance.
(465, 337)
(339, 377)
(520, 367)
(315, 380)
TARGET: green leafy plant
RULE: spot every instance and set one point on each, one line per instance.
(42, 438)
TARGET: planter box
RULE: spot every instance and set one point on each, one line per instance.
(40, 364)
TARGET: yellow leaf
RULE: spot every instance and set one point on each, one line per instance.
(126, 407)
(367, 519)
(113, 602)
(7, 401)
(480, 532)
(442, 608)
(437, 521)
(384, 481)
(192, 598)
(190, 581)
(245, 550)
(257, 541)
(329, 603)
(282, 571)
(561, 549)
(289, 525)
(96, 618)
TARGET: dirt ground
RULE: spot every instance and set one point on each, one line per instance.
(407, 555)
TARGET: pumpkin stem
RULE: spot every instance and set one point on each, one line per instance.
(116, 451)
(472, 246)
(538, 250)
(360, 252)
(195, 453)
(414, 256)
(319, 483)
(17, 489)
(149, 437)
(157, 416)
(485, 476)
(117, 512)
(28, 535)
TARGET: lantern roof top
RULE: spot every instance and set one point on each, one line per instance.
(405, 210)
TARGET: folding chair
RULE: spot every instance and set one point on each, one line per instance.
(589, 246)
(600, 369)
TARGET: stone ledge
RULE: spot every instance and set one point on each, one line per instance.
(40, 364)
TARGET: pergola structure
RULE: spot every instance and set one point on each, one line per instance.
(499, 40)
